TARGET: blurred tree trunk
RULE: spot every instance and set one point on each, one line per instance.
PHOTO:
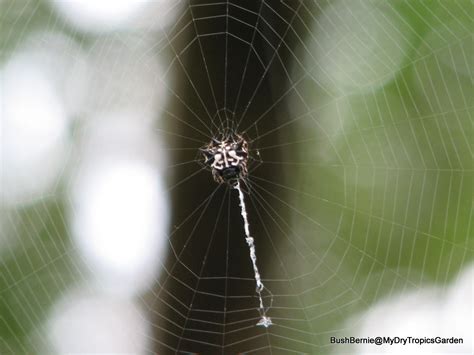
(263, 74)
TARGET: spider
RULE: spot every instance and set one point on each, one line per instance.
(227, 158)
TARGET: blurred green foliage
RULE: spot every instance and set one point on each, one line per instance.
(390, 192)
(34, 271)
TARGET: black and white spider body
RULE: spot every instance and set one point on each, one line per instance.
(227, 159)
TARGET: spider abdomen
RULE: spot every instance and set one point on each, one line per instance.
(227, 159)
(231, 174)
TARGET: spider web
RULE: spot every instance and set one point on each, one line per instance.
(359, 114)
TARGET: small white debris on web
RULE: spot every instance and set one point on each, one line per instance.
(264, 321)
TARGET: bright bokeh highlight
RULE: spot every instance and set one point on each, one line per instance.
(86, 323)
(109, 15)
(360, 45)
(120, 219)
(34, 131)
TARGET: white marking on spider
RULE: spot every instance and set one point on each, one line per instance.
(227, 159)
